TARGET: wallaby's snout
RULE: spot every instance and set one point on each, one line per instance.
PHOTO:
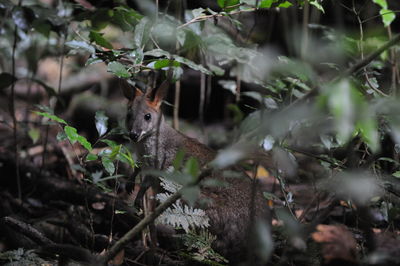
(134, 136)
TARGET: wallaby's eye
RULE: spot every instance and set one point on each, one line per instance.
(147, 117)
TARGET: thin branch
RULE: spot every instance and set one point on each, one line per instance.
(371, 57)
(12, 111)
(376, 16)
(176, 105)
(205, 17)
(202, 99)
(282, 187)
(306, 15)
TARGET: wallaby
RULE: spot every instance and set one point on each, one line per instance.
(229, 208)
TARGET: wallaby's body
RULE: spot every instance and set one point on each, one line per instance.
(229, 209)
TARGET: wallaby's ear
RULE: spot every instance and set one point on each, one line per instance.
(160, 94)
(129, 91)
(138, 92)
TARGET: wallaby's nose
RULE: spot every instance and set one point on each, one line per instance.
(134, 136)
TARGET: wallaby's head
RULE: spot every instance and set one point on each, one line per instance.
(143, 112)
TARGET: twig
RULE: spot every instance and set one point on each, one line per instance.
(12, 111)
(364, 62)
(176, 104)
(282, 186)
(202, 99)
(361, 48)
(27, 230)
(238, 86)
(306, 14)
(205, 17)
(376, 16)
(178, 82)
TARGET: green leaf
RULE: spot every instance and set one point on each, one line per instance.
(198, 12)
(192, 167)
(387, 16)
(192, 65)
(163, 63)
(157, 53)
(396, 174)
(369, 132)
(81, 46)
(91, 157)
(190, 194)
(6, 79)
(137, 56)
(237, 113)
(343, 100)
(99, 39)
(176, 74)
(216, 70)
(285, 4)
(101, 18)
(101, 122)
(118, 69)
(317, 5)
(108, 165)
(142, 32)
(189, 39)
(110, 143)
(266, 3)
(34, 134)
(225, 4)
(84, 142)
(126, 18)
(115, 152)
(61, 136)
(51, 116)
(96, 176)
(382, 3)
(43, 27)
(71, 133)
(92, 61)
(126, 157)
(177, 163)
(73, 137)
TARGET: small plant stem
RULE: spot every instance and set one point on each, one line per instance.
(306, 15)
(282, 186)
(205, 17)
(176, 104)
(202, 99)
(12, 112)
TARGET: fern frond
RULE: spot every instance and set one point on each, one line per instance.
(181, 215)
